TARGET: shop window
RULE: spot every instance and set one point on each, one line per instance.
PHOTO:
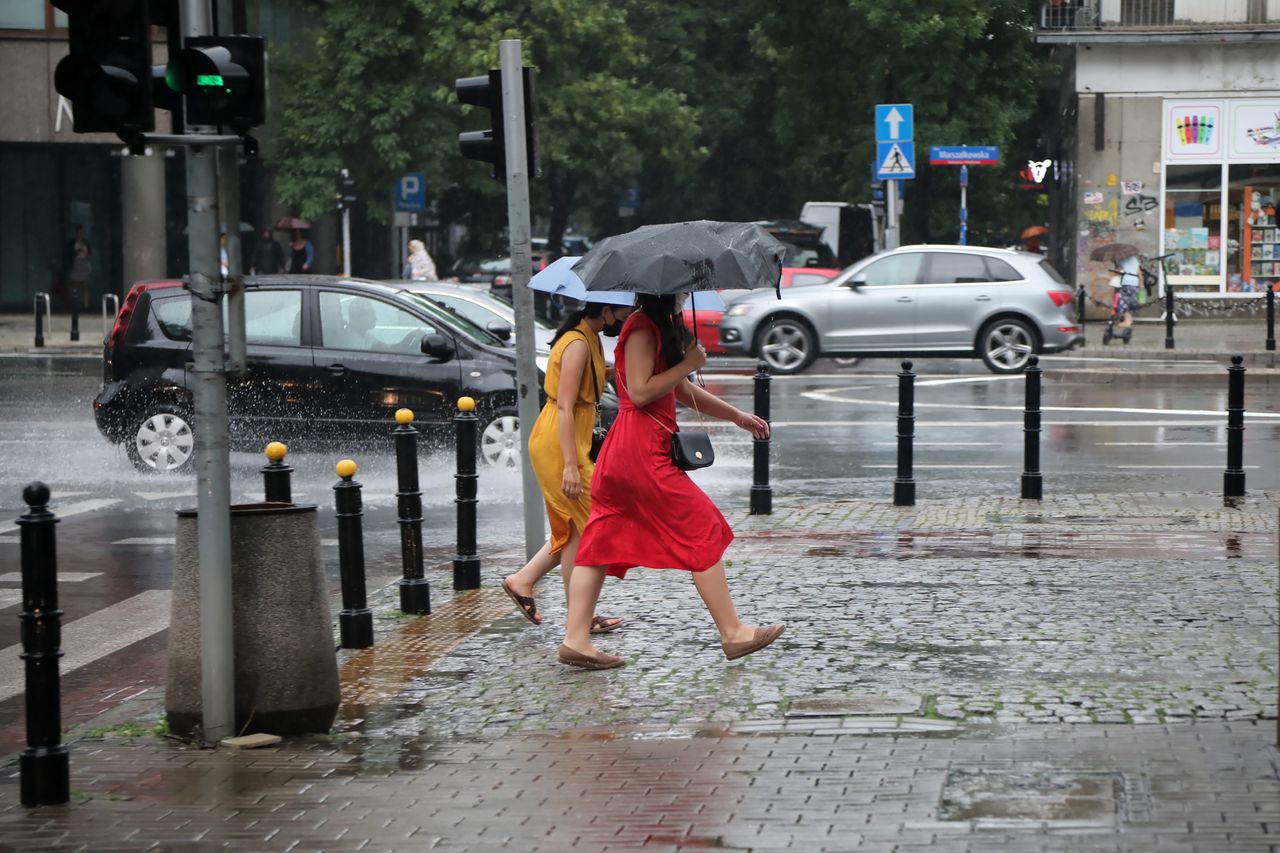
(1253, 234)
(36, 15)
(1193, 226)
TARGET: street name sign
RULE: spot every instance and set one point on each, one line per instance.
(964, 155)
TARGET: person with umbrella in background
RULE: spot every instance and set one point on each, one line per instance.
(1031, 239)
(302, 254)
(645, 510)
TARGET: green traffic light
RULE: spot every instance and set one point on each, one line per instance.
(209, 80)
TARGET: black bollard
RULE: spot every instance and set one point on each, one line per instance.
(355, 621)
(904, 487)
(1032, 486)
(75, 318)
(275, 475)
(44, 765)
(1271, 319)
(466, 565)
(39, 319)
(1233, 477)
(1168, 316)
(1080, 300)
(761, 491)
(415, 592)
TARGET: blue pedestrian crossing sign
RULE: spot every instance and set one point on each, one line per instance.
(895, 160)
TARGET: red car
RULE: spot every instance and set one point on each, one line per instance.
(710, 307)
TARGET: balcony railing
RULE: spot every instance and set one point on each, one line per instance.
(1159, 15)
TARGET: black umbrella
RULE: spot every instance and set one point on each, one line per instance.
(1113, 252)
(681, 257)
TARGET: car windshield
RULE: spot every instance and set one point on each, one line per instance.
(453, 318)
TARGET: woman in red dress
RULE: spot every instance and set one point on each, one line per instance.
(644, 510)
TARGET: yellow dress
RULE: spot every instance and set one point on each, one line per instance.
(544, 441)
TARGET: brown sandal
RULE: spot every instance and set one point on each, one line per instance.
(600, 624)
(528, 608)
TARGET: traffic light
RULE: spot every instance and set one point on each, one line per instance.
(223, 79)
(345, 190)
(489, 146)
(107, 74)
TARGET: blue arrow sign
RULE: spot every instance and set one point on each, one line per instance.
(411, 193)
(895, 160)
(894, 122)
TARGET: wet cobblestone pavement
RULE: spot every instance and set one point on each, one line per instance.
(1097, 673)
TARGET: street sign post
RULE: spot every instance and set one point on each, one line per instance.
(895, 158)
(964, 156)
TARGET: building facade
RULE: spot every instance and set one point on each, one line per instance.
(1171, 141)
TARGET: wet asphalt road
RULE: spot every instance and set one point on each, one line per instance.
(835, 438)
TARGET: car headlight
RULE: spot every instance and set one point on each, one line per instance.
(740, 310)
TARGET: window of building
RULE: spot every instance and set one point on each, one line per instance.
(1253, 234)
(31, 15)
(1193, 226)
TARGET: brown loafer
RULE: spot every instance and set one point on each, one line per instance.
(761, 638)
(578, 659)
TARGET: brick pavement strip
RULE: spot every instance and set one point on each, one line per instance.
(1130, 638)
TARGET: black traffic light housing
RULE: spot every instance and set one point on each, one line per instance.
(107, 74)
(224, 80)
(489, 146)
(345, 189)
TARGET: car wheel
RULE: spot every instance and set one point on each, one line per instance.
(787, 346)
(847, 361)
(1006, 345)
(162, 440)
(500, 440)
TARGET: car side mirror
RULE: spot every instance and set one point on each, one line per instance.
(437, 346)
(858, 282)
(499, 329)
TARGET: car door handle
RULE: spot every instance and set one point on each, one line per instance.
(338, 369)
(904, 298)
(982, 298)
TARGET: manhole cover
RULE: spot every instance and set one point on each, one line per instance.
(855, 706)
(1041, 797)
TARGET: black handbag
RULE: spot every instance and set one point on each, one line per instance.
(598, 432)
(691, 449)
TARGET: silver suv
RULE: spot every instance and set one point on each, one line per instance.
(998, 304)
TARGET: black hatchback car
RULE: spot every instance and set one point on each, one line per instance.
(327, 356)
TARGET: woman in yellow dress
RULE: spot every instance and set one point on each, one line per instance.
(560, 444)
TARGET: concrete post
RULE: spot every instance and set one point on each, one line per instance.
(142, 201)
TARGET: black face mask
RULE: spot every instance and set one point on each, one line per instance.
(612, 330)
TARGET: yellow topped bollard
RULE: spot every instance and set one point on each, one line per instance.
(466, 404)
(466, 565)
(404, 416)
(275, 475)
(415, 592)
(346, 469)
(355, 620)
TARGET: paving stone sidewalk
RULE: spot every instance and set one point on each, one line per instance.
(1090, 673)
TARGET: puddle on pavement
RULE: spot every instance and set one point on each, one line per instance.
(1045, 796)
(854, 706)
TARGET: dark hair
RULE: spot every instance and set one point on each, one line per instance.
(673, 336)
(573, 318)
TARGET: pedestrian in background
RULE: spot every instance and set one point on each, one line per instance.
(1126, 284)
(419, 266)
(79, 267)
(268, 255)
(645, 511)
(560, 444)
(302, 254)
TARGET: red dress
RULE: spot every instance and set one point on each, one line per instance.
(644, 510)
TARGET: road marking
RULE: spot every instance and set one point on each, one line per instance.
(146, 540)
(982, 425)
(944, 443)
(95, 636)
(831, 397)
(1166, 444)
(95, 356)
(10, 597)
(918, 465)
(1167, 362)
(63, 577)
(961, 379)
(65, 511)
(160, 496)
(1173, 467)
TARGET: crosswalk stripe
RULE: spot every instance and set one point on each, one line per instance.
(95, 636)
(10, 597)
(65, 511)
(63, 577)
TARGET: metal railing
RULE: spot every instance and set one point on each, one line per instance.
(1138, 15)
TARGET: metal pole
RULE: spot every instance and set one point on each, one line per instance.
(904, 487)
(1032, 485)
(891, 214)
(466, 565)
(761, 491)
(346, 242)
(44, 766)
(1233, 477)
(1271, 319)
(213, 480)
(511, 63)
(276, 487)
(355, 620)
(964, 206)
(38, 307)
(415, 592)
(75, 317)
(1168, 316)
(108, 318)
(229, 207)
